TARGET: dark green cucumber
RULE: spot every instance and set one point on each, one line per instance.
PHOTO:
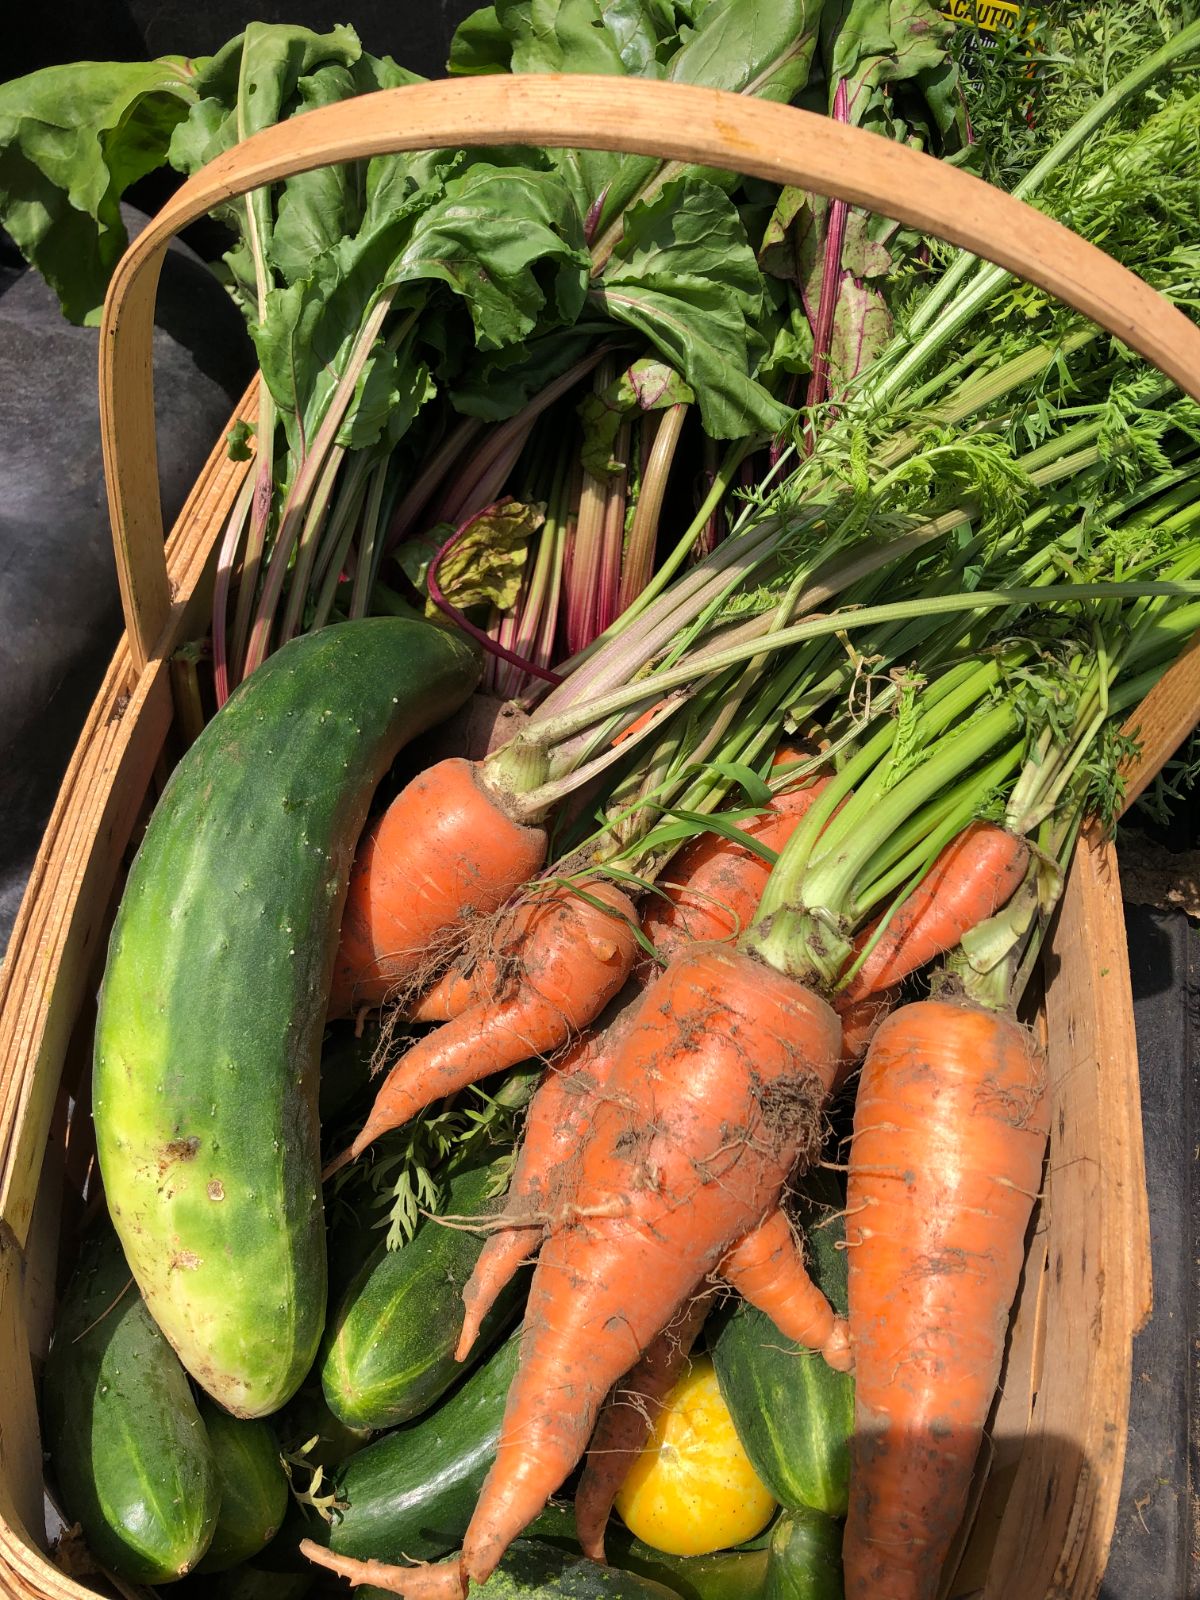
(793, 1413)
(389, 1347)
(213, 1003)
(410, 1495)
(254, 1487)
(805, 1561)
(726, 1575)
(128, 1450)
(531, 1568)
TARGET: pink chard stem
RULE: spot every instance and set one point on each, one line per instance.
(831, 279)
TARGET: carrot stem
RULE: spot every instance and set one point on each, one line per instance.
(945, 816)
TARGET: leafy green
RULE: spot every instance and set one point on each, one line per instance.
(646, 386)
(496, 383)
(237, 440)
(72, 140)
(607, 37)
(745, 46)
(504, 239)
(508, 241)
(616, 36)
(250, 84)
(480, 45)
(486, 563)
(684, 275)
(315, 209)
(876, 44)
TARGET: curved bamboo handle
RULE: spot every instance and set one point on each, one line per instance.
(679, 122)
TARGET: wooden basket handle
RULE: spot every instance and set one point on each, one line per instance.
(677, 122)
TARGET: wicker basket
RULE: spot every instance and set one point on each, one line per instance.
(1049, 1479)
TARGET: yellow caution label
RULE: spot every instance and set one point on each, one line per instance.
(993, 16)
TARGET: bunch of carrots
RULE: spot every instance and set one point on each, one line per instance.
(835, 773)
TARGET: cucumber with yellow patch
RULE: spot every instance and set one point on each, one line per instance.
(215, 992)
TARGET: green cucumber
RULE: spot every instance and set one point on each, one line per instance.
(530, 1568)
(213, 1003)
(410, 1495)
(726, 1575)
(254, 1487)
(389, 1347)
(128, 1450)
(793, 1413)
(805, 1560)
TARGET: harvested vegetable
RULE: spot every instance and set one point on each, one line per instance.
(254, 1487)
(714, 885)
(692, 1490)
(950, 1129)
(973, 877)
(128, 1450)
(794, 1414)
(389, 1349)
(559, 1116)
(804, 1560)
(206, 1107)
(560, 958)
(635, 1408)
(767, 1268)
(445, 851)
(687, 1155)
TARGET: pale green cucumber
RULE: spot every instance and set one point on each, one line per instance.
(214, 997)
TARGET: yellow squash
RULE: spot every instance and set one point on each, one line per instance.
(692, 1490)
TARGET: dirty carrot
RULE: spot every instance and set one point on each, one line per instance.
(626, 1422)
(767, 1268)
(971, 879)
(445, 850)
(559, 1116)
(688, 1153)
(561, 955)
(950, 1128)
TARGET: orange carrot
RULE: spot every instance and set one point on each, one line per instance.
(971, 879)
(625, 1423)
(715, 1094)
(559, 1116)
(453, 992)
(767, 1268)
(569, 950)
(949, 1133)
(713, 886)
(860, 1023)
(712, 891)
(445, 850)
